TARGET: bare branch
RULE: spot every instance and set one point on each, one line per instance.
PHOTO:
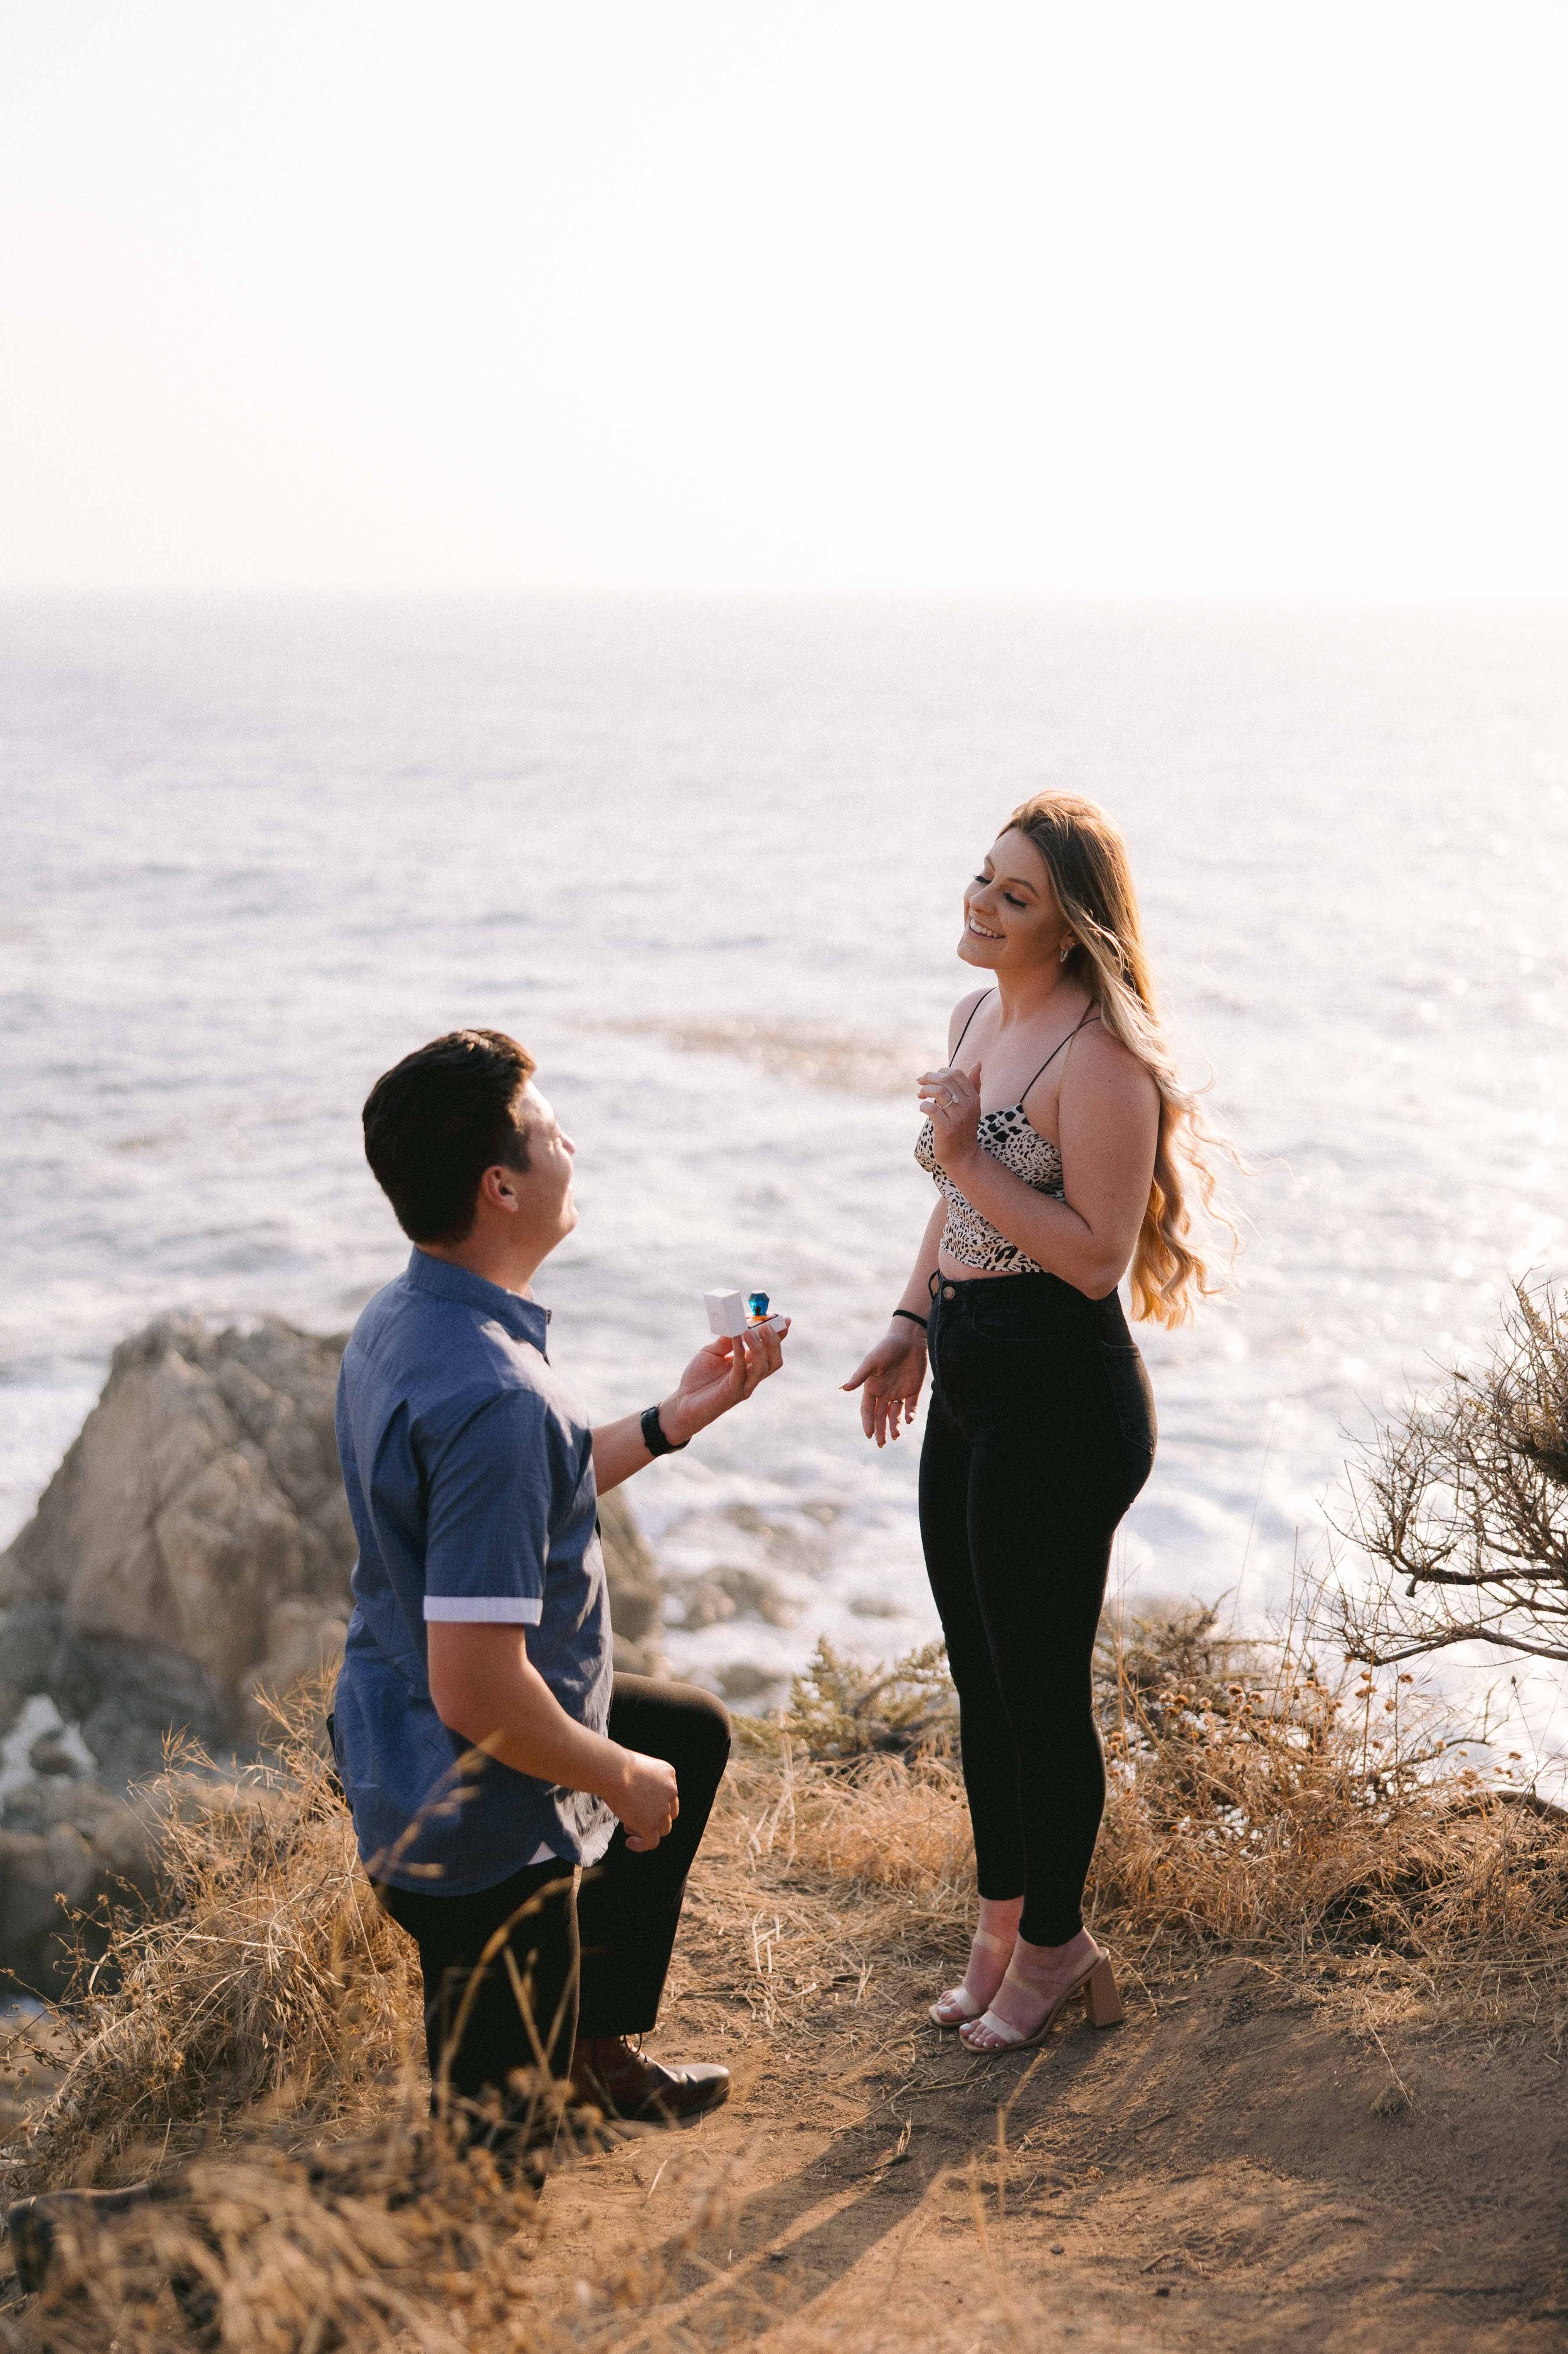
(1460, 1508)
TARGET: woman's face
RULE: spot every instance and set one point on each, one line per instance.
(1012, 920)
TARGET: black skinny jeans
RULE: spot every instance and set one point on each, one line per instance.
(1039, 1435)
(591, 1958)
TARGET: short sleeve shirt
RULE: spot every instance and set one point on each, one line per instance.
(470, 1478)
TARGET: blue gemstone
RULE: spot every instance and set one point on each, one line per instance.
(758, 1303)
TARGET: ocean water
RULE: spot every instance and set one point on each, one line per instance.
(706, 858)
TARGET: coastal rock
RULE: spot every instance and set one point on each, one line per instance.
(636, 1589)
(51, 1754)
(68, 1848)
(733, 1592)
(197, 1510)
(191, 1557)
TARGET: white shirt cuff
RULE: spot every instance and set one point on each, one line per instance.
(484, 1609)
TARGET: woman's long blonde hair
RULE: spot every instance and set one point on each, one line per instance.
(1093, 882)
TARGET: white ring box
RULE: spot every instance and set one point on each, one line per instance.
(727, 1316)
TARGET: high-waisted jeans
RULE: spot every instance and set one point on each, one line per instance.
(1039, 1435)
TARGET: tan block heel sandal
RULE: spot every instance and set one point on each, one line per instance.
(955, 2009)
(1102, 2008)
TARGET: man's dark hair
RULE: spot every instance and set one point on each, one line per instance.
(438, 1120)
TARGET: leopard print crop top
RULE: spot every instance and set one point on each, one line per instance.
(1008, 1137)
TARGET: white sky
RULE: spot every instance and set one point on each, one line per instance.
(838, 294)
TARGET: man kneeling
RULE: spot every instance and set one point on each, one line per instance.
(481, 1623)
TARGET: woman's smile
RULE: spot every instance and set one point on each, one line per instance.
(975, 926)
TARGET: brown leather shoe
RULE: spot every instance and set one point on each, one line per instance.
(606, 2072)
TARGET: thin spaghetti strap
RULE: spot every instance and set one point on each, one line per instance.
(965, 1031)
(1090, 1016)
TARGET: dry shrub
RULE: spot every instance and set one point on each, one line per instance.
(264, 1972)
(856, 1779)
(387, 2240)
(889, 1823)
(1256, 1802)
(1263, 1803)
(1458, 1508)
(837, 1710)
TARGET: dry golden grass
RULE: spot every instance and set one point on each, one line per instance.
(1257, 1805)
(267, 1974)
(1260, 1805)
(249, 2042)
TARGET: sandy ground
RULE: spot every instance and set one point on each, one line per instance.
(1249, 2161)
(1260, 2157)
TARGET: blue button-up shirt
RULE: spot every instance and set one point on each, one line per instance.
(470, 1478)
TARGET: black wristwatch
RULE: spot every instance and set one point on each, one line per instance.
(653, 1437)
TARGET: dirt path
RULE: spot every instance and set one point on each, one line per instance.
(1243, 2164)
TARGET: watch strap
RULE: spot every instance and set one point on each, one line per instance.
(653, 1437)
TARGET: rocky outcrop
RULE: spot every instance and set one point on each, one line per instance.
(636, 1587)
(70, 1849)
(195, 1532)
(190, 1556)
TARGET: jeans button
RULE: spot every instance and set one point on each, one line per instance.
(947, 1291)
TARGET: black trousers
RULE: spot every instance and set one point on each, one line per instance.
(1039, 1435)
(513, 1974)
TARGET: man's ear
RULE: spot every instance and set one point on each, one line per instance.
(498, 1189)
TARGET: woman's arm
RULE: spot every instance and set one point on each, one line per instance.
(1109, 1116)
(895, 1368)
(916, 1293)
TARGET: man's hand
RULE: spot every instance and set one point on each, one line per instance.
(650, 1802)
(486, 1689)
(718, 1377)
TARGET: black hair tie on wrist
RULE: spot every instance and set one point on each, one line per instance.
(913, 1318)
(653, 1437)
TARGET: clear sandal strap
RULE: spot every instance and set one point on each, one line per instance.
(956, 2000)
(1006, 2035)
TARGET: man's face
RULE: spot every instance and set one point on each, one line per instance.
(543, 1190)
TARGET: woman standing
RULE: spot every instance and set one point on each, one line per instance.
(1063, 1145)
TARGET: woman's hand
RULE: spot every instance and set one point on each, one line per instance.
(893, 1373)
(718, 1377)
(950, 1100)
